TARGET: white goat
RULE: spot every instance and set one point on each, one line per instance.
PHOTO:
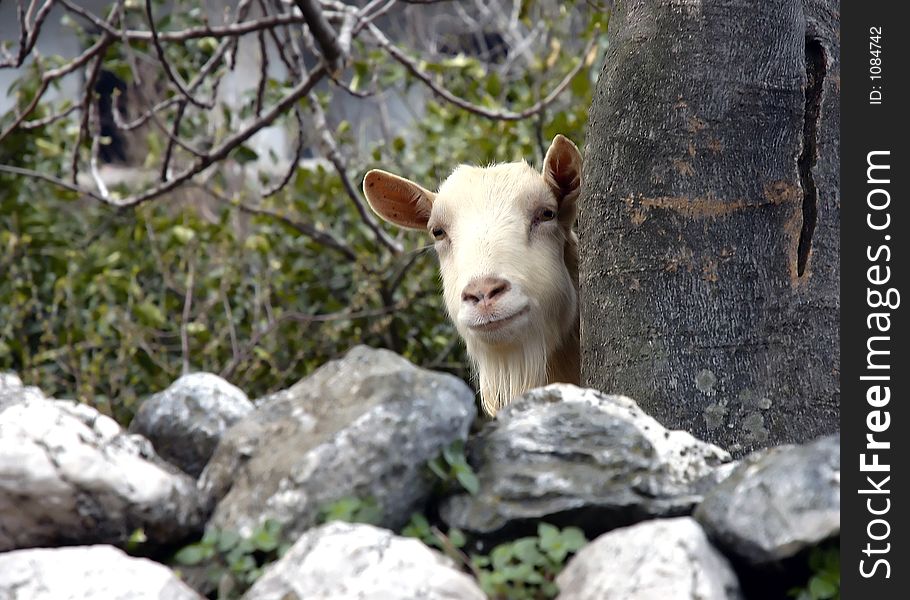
(509, 262)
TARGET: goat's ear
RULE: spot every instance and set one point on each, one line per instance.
(562, 169)
(398, 200)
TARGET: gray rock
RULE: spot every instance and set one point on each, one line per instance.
(87, 573)
(348, 561)
(363, 426)
(562, 449)
(70, 475)
(185, 421)
(13, 391)
(777, 502)
(666, 559)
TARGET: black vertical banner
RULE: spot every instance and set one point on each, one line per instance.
(875, 371)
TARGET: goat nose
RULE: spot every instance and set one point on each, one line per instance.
(485, 288)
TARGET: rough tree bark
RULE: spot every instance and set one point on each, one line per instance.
(710, 218)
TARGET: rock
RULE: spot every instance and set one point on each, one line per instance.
(70, 475)
(777, 502)
(185, 421)
(12, 390)
(582, 457)
(666, 559)
(87, 573)
(346, 561)
(363, 426)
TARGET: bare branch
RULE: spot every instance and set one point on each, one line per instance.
(93, 156)
(172, 140)
(298, 317)
(187, 308)
(28, 36)
(50, 179)
(162, 58)
(501, 115)
(49, 76)
(294, 163)
(332, 52)
(87, 95)
(36, 123)
(322, 237)
(237, 29)
(330, 149)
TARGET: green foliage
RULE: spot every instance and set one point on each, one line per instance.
(824, 583)
(108, 305)
(526, 568)
(450, 543)
(352, 510)
(232, 563)
(451, 466)
(523, 569)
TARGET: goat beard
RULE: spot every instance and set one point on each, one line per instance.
(505, 373)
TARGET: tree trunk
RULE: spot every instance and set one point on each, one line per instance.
(710, 217)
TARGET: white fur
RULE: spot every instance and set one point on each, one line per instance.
(488, 215)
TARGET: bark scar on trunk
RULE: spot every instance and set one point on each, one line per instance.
(816, 68)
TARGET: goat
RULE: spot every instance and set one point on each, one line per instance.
(509, 262)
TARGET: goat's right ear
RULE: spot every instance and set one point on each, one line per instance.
(398, 200)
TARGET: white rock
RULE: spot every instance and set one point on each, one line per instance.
(344, 561)
(668, 559)
(362, 426)
(777, 502)
(86, 573)
(70, 475)
(563, 450)
(186, 421)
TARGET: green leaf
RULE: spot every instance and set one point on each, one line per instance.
(573, 538)
(192, 554)
(821, 589)
(265, 540)
(454, 453)
(549, 535)
(468, 481)
(457, 537)
(435, 465)
(244, 154)
(183, 235)
(227, 541)
(149, 313)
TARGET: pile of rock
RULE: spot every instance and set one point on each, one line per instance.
(670, 516)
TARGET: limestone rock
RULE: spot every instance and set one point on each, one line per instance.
(347, 561)
(777, 502)
(665, 559)
(70, 475)
(87, 573)
(363, 426)
(185, 421)
(582, 455)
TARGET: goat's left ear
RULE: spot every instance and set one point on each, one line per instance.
(562, 170)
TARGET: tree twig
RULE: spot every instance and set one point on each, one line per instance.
(498, 115)
(332, 52)
(187, 308)
(330, 149)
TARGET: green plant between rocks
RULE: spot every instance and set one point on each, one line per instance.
(522, 569)
(452, 468)
(351, 510)
(232, 562)
(824, 583)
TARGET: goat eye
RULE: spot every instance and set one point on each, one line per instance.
(439, 233)
(543, 215)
